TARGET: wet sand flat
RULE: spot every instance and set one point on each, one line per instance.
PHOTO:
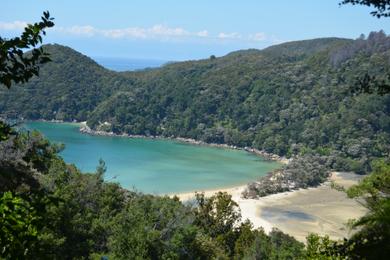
(321, 210)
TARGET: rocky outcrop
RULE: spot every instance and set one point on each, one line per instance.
(302, 172)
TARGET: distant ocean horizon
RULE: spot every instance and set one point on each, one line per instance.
(128, 64)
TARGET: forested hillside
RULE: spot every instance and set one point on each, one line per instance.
(293, 98)
(69, 88)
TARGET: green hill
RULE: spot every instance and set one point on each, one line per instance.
(69, 87)
(292, 98)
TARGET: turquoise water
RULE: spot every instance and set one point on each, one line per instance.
(156, 166)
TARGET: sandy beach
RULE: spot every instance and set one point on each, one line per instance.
(321, 210)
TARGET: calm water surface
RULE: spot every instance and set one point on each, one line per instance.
(156, 166)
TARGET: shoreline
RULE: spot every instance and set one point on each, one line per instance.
(320, 209)
(248, 207)
(85, 129)
(188, 195)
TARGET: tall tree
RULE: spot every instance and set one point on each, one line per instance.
(19, 220)
(18, 67)
(371, 84)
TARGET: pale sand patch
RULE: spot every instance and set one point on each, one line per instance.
(321, 210)
(234, 191)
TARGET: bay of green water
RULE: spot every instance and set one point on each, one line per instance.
(155, 165)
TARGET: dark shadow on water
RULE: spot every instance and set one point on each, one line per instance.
(284, 215)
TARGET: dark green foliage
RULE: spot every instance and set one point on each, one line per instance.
(290, 99)
(15, 66)
(50, 210)
(371, 82)
(218, 216)
(370, 85)
(276, 245)
(382, 6)
(61, 213)
(81, 223)
(373, 239)
(18, 227)
(156, 228)
(302, 172)
(323, 248)
(22, 158)
(74, 83)
(5, 131)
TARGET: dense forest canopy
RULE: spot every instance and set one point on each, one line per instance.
(290, 99)
(294, 98)
(51, 210)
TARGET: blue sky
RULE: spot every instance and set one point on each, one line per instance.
(179, 29)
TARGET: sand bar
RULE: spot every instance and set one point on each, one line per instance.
(321, 210)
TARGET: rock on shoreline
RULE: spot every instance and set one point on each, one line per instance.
(301, 172)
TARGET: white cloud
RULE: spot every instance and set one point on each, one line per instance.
(135, 32)
(87, 30)
(15, 25)
(258, 37)
(203, 33)
(163, 30)
(158, 31)
(233, 35)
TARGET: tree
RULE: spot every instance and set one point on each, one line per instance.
(5, 131)
(15, 65)
(382, 6)
(324, 248)
(373, 238)
(371, 84)
(218, 216)
(19, 217)
(18, 226)
(18, 67)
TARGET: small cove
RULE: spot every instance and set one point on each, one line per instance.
(155, 165)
